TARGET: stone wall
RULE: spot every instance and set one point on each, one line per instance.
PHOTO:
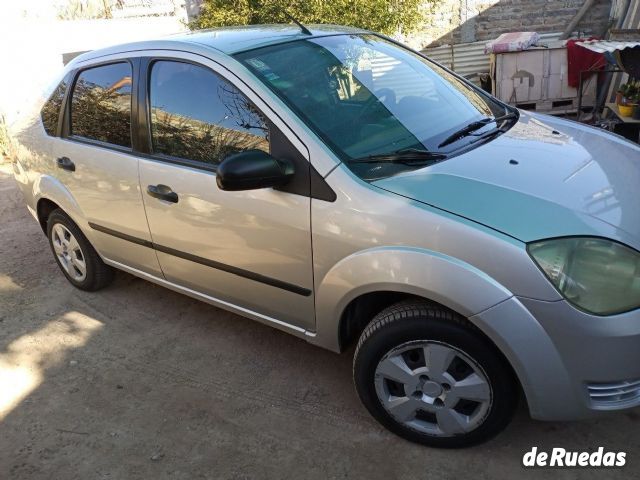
(463, 21)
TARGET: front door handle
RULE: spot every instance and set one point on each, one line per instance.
(162, 192)
(65, 163)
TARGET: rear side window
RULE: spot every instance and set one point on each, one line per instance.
(101, 104)
(196, 115)
(51, 110)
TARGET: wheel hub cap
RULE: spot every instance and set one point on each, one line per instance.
(434, 388)
(68, 252)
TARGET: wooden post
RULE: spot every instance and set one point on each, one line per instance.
(575, 20)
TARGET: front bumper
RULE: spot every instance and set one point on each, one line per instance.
(570, 364)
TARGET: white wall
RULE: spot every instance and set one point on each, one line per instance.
(31, 47)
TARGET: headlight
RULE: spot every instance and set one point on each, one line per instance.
(596, 275)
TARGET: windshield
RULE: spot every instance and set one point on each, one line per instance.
(366, 96)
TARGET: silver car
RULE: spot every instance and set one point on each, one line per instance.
(343, 188)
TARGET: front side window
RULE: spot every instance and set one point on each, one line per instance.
(51, 109)
(101, 104)
(365, 96)
(197, 115)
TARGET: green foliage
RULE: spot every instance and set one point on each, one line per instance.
(630, 92)
(386, 16)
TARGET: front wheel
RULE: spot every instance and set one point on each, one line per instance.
(430, 377)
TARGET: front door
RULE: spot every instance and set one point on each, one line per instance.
(250, 249)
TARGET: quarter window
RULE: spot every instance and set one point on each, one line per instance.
(196, 115)
(51, 109)
(101, 104)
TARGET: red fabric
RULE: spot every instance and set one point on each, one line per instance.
(581, 59)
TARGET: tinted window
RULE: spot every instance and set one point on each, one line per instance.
(51, 110)
(101, 104)
(197, 115)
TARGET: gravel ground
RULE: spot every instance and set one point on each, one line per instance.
(138, 382)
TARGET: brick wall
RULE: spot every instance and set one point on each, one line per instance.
(462, 21)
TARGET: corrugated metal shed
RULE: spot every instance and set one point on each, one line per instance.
(468, 59)
(602, 46)
(630, 20)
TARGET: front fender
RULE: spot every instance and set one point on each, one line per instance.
(425, 273)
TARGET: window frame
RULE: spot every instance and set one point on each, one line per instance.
(66, 131)
(144, 113)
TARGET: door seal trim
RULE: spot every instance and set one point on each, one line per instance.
(274, 282)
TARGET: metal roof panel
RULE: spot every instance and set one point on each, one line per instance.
(602, 46)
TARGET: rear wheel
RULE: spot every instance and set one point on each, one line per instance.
(75, 256)
(430, 377)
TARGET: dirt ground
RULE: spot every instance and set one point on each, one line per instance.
(138, 382)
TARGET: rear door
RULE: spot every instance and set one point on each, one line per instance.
(95, 161)
(250, 249)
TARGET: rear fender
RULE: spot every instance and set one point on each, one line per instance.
(50, 188)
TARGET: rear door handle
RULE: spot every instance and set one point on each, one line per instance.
(65, 163)
(162, 192)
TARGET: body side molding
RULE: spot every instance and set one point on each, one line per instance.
(274, 282)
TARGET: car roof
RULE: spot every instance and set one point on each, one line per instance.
(229, 40)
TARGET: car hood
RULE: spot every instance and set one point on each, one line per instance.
(545, 177)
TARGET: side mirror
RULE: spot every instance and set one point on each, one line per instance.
(251, 170)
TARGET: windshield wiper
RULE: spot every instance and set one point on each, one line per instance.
(407, 156)
(473, 126)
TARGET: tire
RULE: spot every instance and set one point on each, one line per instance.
(466, 395)
(75, 256)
